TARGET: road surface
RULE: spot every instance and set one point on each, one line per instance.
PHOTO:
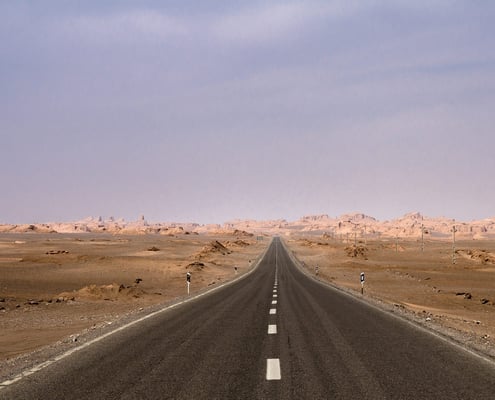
(275, 334)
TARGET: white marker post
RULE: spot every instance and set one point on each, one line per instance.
(188, 280)
(362, 282)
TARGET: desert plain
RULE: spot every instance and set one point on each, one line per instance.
(445, 288)
(56, 287)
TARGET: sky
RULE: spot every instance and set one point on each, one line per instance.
(211, 111)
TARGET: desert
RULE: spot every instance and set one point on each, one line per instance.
(417, 280)
(59, 282)
(53, 287)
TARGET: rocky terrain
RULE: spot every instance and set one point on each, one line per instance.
(57, 279)
(55, 285)
(412, 225)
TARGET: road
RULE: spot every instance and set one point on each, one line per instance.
(276, 334)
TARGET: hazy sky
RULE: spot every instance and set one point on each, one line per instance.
(207, 111)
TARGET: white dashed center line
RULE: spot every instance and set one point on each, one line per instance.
(273, 369)
(273, 364)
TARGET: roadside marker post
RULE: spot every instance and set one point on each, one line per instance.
(362, 282)
(188, 280)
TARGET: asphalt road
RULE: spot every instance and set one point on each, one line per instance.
(276, 334)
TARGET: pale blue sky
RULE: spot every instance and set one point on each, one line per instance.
(209, 111)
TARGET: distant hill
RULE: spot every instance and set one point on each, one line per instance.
(359, 224)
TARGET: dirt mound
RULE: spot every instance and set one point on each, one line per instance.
(482, 256)
(310, 243)
(237, 243)
(196, 266)
(213, 247)
(173, 231)
(216, 247)
(113, 291)
(238, 232)
(358, 251)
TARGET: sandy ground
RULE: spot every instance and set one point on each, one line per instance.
(53, 286)
(456, 299)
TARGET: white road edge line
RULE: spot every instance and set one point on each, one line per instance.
(273, 369)
(272, 329)
(47, 363)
